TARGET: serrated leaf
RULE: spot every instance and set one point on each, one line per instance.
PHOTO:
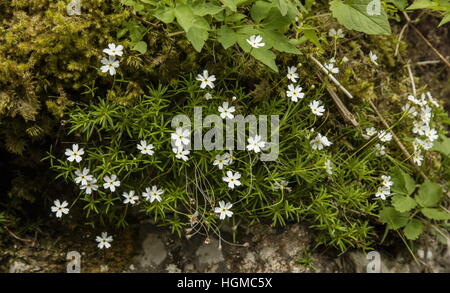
(265, 56)
(278, 41)
(403, 182)
(227, 36)
(435, 214)
(354, 15)
(403, 203)
(429, 194)
(185, 16)
(393, 218)
(442, 146)
(413, 229)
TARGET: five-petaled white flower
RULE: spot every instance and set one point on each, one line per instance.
(382, 192)
(255, 41)
(60, 208)
(130, 197)
(206, 79)
(319, 142)
(386, 181)
(419, 127)
(328, 167)
(431, 134)
(292, 74)
(111, 182)
(74, 154)
(316, 108)
(114, 50)
(181, 154)
(181, 137)
(371, 131)
(373, 58)
(336, 33)
(104, 241)
(222, 160)
(153, 193)
(294, 92)
(83, 176)
(232, 179)
(418, 158)
(225, 111)
(331, 69)
(110, 65)
(90, 186)
(255, 143)
(224, 210)
(385, 136)
(145, 148)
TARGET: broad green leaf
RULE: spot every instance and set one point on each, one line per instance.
(444, 20)
(403, 203)
(275, 21)
(260, 10)
(230, 4)
(141, 47)
(443, 146)
(185, 16)
(166, 15)
(265, 56)
(198, 33)
(392, 218)
(235, 17)
(278, 41)
(403, 183)
(429, 194)
(413, 229)
(354, 14)
(400, 4)
(282, 6)
(206, 9)
(435, 214)
(421, 4)
(227, 36)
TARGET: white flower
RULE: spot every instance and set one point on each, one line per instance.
(110, 65)
(418, 158)
(224, 210)
(319, 142)
(74, 154)
(104, 240)
(130, 197)
(255, 143)
(419, 127)
(83, 176)
(420, 102)
(431, 134)
(373, 58)
(386, 181)
(152, 194)
(90, 186)
(371, 131)
(181, 154)
(111, 182)
(292, 74)
(331, 69)
(383, 192)
(294, 92)
(206, 79)
(328, 167)
(339, 34)
(232, 179)
(385, 136)
(208, 96)
(225, 111)
(145, 149)
(409, 110)
(181, 137)
(60, 208)
(380, 150)
(425, 144)
(316, 108)
(425, 114)
(222, 160)
(255, 41)
(114, 50)
(332, 60)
